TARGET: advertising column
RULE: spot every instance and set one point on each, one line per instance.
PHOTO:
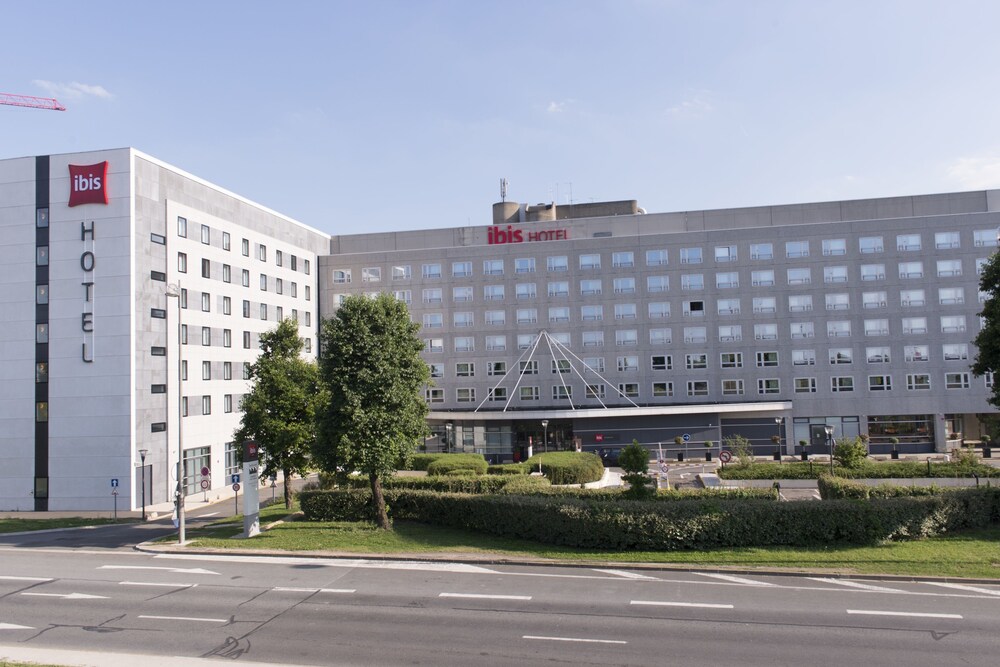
(251, 493)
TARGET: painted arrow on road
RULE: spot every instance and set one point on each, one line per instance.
(11, 626)
(178, 570)
(68, 596)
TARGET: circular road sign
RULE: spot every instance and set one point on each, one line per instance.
(686, 437)
(725, 456)
(236, 486)
(205, 472)
(205, 483)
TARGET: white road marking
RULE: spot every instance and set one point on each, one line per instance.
(68, 596)
(175, 570)
(705, 605)
(735, 580)
(187, 618)
(11, 626)
(337, 562)
(576, 639)
(627, 575)
(151, 583)
(870, 612)
(314, 590)
(483, 596)
(205, 516)
(963, 587)
(855, 584)
(8, 578)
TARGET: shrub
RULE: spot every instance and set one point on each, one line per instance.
(450, 483)
(568, 467)
(833, 488)
(337, 505)
(470, 463)
(525, 485)
(850, 452)
(508, 469)
(741, 449)
(421, 461)
(867, 470)
(634, 460)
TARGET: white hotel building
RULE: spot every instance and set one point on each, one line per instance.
(606, 322)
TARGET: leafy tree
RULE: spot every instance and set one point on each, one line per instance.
(987, 341)
(741, 449)
(279, 412)
(634, 460)
(371, 366)
(850, 452)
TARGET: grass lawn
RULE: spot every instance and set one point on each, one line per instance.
(19, 525)
(972, 554)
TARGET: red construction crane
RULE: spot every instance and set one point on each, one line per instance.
(32, 102)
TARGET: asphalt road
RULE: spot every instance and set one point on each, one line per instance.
(355, 612)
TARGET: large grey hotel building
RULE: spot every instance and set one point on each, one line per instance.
(135, 293)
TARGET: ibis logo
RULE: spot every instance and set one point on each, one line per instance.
(88, 184)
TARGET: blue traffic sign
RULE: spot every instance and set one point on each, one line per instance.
(114, 482)
(686, 437)
(235, 478)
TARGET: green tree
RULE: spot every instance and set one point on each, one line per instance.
(987, 341)
(850, 452)
(634, 460)
(371, 367)
(279, 412)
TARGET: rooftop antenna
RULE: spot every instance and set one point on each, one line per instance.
(503, 189)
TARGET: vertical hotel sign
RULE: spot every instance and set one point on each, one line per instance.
(88, 185)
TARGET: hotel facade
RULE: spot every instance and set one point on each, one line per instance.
(135, 294)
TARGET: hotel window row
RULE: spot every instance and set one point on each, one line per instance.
(205, 233)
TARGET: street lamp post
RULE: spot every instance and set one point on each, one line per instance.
(447, 436)
(829, 441)
(142, 458)
(174, 291)
(777, 422)
(545, 435)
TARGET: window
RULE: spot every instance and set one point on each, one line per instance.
(227, 273)
(263, 283)
(918, 381)
(870, 300)
(278, 286)
(695, 335)
(697, 388)
(946, 240)
(245, 277)
(908, 242)
(371, 274)
(184, 333)
(872, 272)
(42, 255)
(765, 331)
(764, 304)
(227, 403)
(559, 314)
(761, 251)
(843, 383)
(727, 280)
(434, 344)
(658, 310)
(916, 353)
(802, 330)
(246, 340)
(528, 367)
(593, 338)
(226, 241)
(660, 336)
(461, 294)
(590, 261)
(206, 234)
(433, 295)
(206, 370)
(525, 291)
(462, 320)
(465, 369)
(879, 383)
(308, 298)
(41, 294)
(559, 288)
(877, 355)
(623, 259)
(206, 405)
(912, 297)
(404, 295)
(628, 389)
(262, 252)
(528, 393)
(156, 351)
(725, 307)
(837, 301)
(493, 267)
(461, 269)
(595, 391)
(656, 284)
(625, 311)
(661, 362)
(246, 370)
(767, 359)
(182, 227)
(227, 338)
(985, 238)
(870, 244)
(626, 337)
(434, 395)
(656, 257)
(496, 368)
(801, 303)
(206, 336)
(431, 271)
(339, 276)
(795, 249)
(263, 311)
(401, 272)
(562, 393)
(838, 329)
(878, 327)
(949, 267)
(691, 256)
(245, 247)
(768, 386)
(624, 285)
(590, 287)
(951, 296)
(952, 323)
(592, 313)
(524, 341)
(911, 269)
(42, 333)
(498, 394)
(803, 357)
(956, 380)
(805, 385)
(955, 351)
(496, 343)
(560, 263)
(661, 389)
(726, 253)
(762, 278)
(628, 364)
(692, 281)
(731, 360)
(695, 361)
(844, 355)
(730, 333)
(914, 325)
(524, 265)
(496, 317)
(182, 262)
(493, 292)
(433, 320)
(799, 276)
(732, 387)
(594, 364)
(465, 343)
(834, 247)
(437, 370)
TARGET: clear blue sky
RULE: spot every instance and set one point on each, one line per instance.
(391, 115)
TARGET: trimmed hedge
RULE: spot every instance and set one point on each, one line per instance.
(421, 461)
(337, 505)
(833, 488)
(468, 463)
(508, 469)
(568, 467)
(451, 483)
(870, 470)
